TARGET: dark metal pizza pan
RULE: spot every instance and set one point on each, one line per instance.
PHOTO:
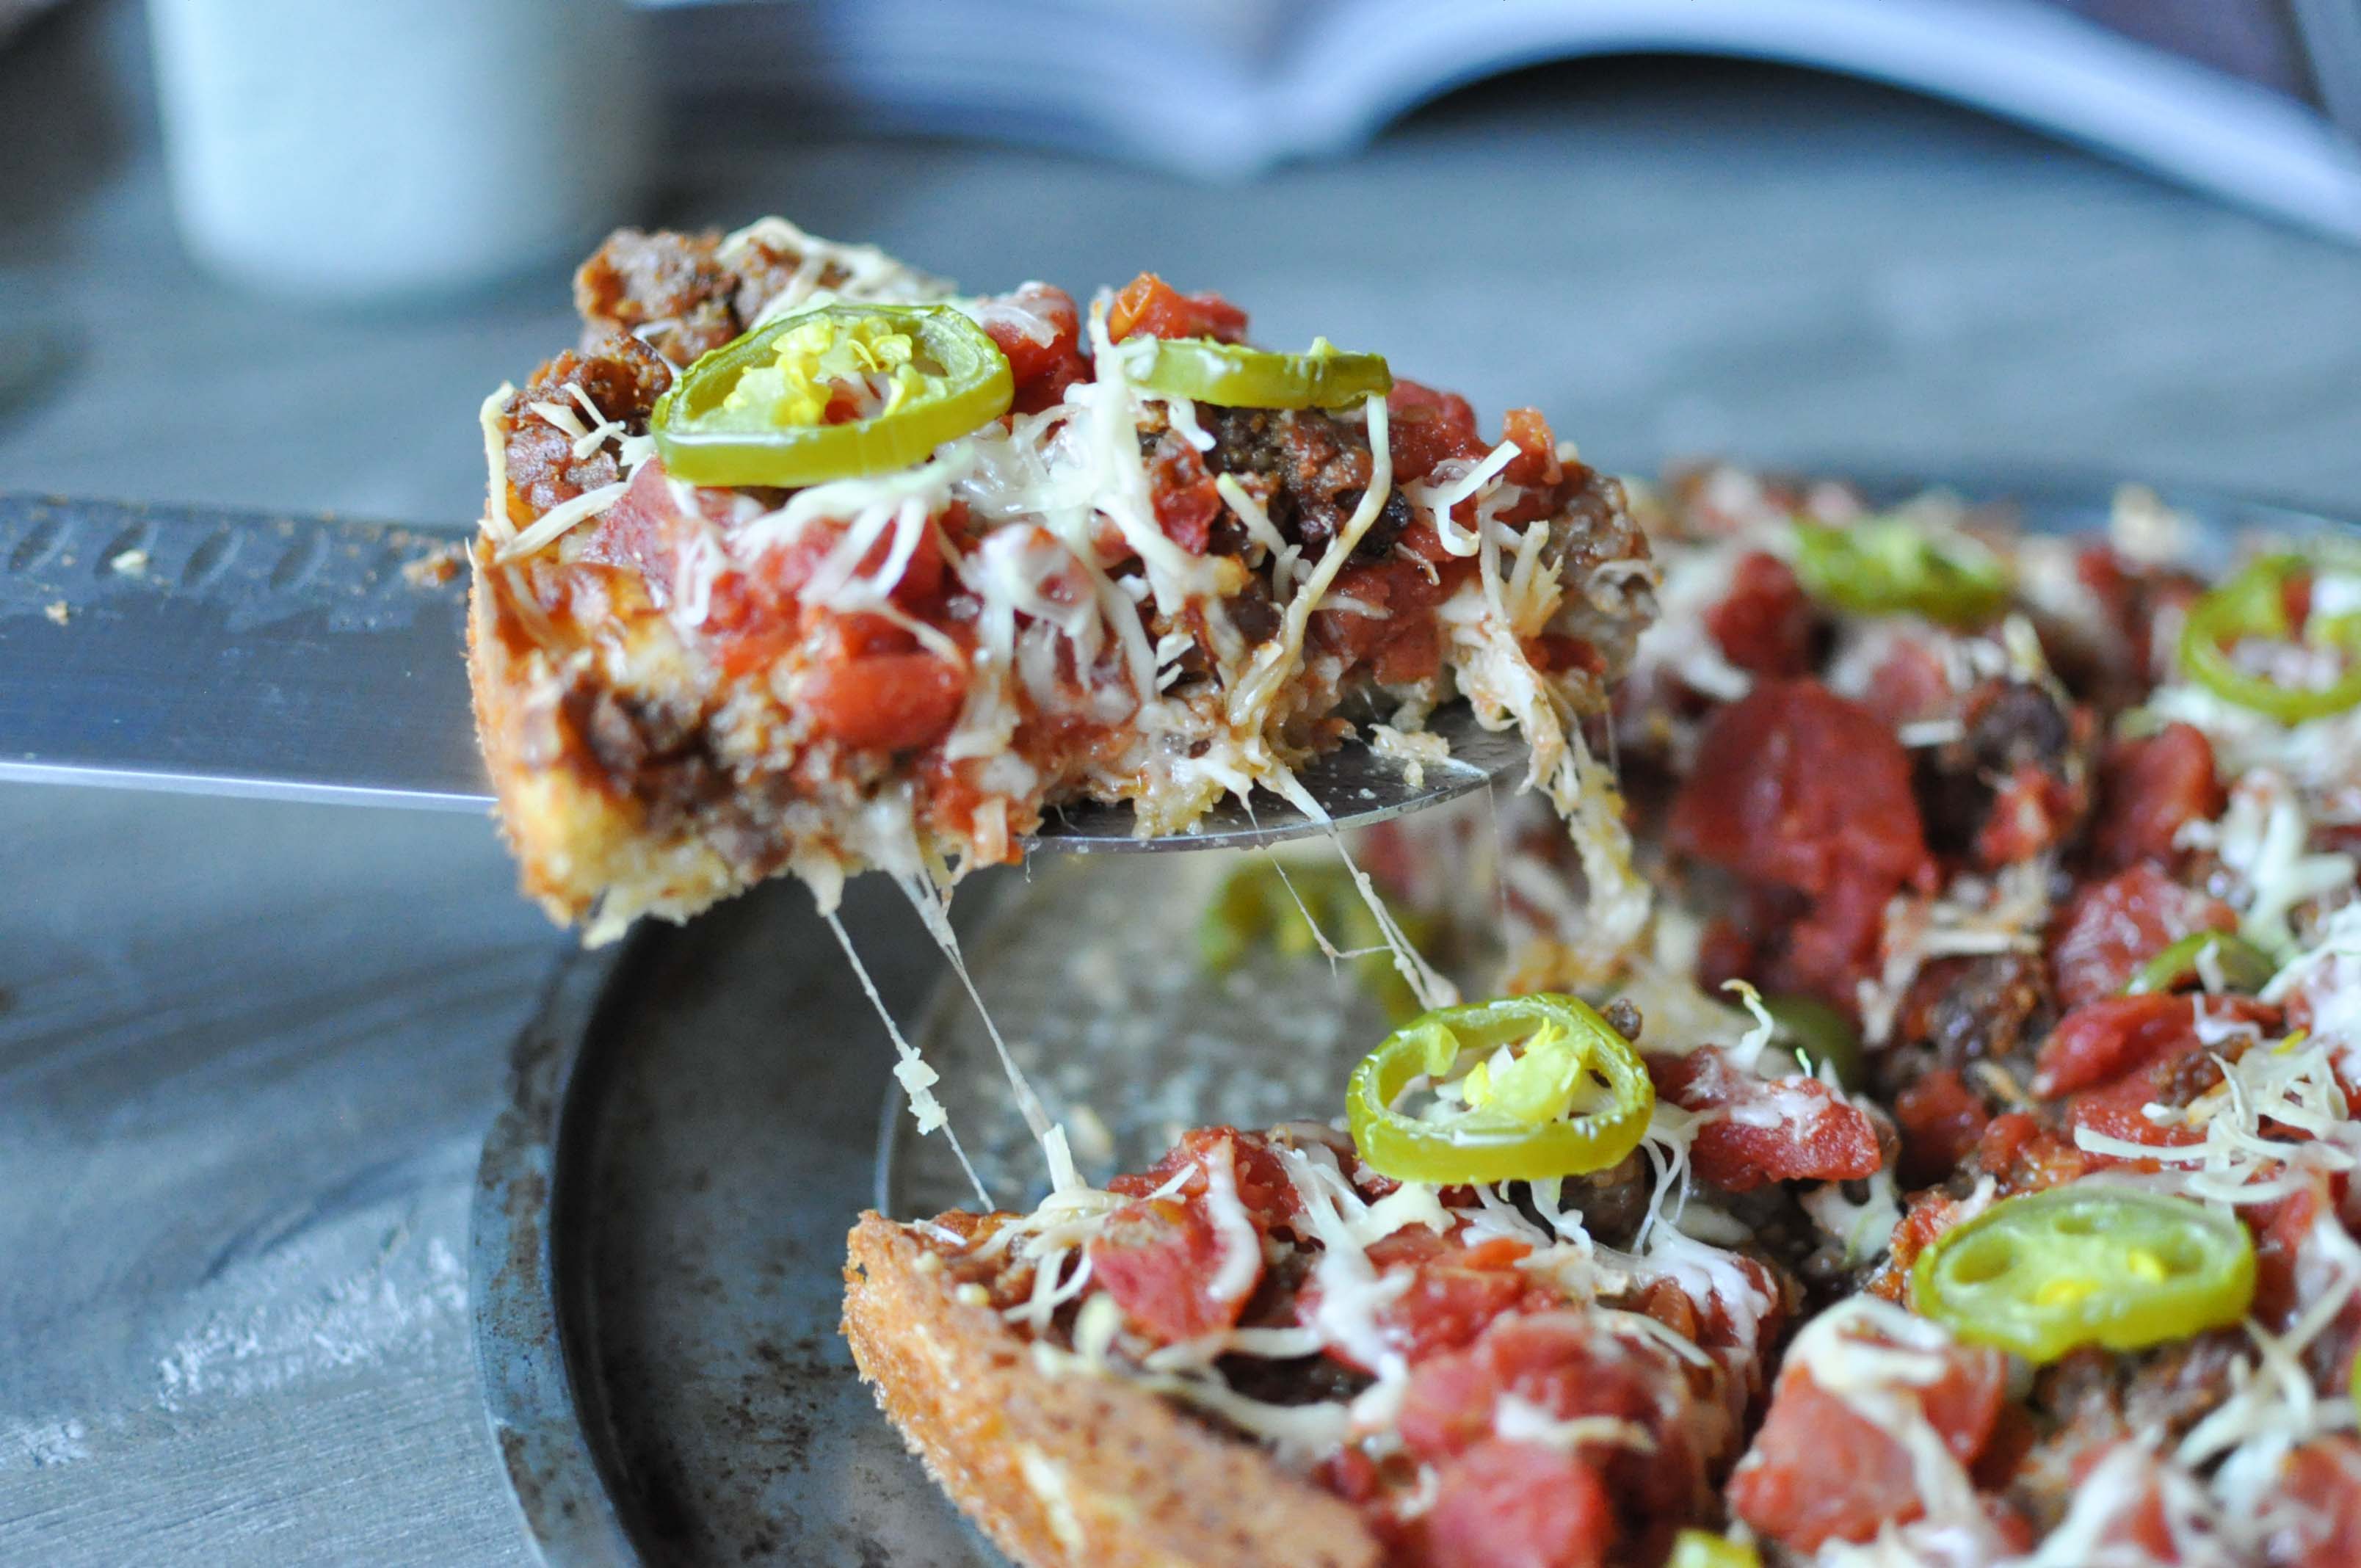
(658, 1235)
(694, 1124)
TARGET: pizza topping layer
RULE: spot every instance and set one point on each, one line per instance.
(2006, 1219)
(805, 562)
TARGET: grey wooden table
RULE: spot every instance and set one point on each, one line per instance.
(247, 1052)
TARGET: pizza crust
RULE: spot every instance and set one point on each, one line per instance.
(579, 843)
(1068, 1471)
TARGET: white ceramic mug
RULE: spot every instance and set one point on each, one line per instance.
(370, 149)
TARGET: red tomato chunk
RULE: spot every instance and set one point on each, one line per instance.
(1942, 1121)
(1515, 1504)
(1263, 1188)
(1455, 1291)
(1042, 369)
(1784, 1129)
(2147, 789)
(1155, 1258)
(883, 702)
(2100, 1041)
(2325, 1477)
(1426, 428)
(1820, 1471)
(1799, 788)
(2108, 929)
(1765, 625)
(1148, 304)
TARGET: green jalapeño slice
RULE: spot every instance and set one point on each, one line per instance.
(1703, 1549)
(2252, 608)
(2242, 966)
(1889, 565)
(1233, 376)
(833, 393)
(1551, 1089)
(1821, 1033)
(2047, 1272)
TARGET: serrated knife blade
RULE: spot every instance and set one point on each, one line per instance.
(223, 652)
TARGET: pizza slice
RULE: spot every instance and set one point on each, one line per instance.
(804, 562)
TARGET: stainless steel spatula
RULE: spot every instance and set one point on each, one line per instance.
(309, 658)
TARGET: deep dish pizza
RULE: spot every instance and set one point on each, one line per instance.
(1952, 1170)
(804, 561)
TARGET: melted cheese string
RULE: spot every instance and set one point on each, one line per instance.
(912, 1072)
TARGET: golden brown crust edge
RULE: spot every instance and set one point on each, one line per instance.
(586, 856)
(1068, 1471)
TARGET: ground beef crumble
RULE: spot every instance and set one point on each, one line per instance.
(622, 376)
(671, 284)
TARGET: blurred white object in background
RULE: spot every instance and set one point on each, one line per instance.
(358, 150)
(2214, 93)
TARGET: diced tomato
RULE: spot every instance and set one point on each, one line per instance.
(1819, 1471)
(2100, 1041)
(1426, 428)
(2101, 570)
(1554, 654)
(641, 531)
(1355, 636)
(920, 586)
(1663, 1300)
(1566, 1364)
(2023, 1153)
(2168, 1067)
(1412, 655)
(1835, 944)
(2281, 1228)
(2138, 1523)
(1186, 500)
(2323, 1479)
(763, 597)
(2135, 599)
(2119, 1110)
(1925, 1216)
(1729, 949)
(1148, 304)
(1561, 1361)
(883, 702)
(1773, 1130)
(1403, 644)
(1517, 1505)
(1909, 684)
(1942, 1120)
(1764, 624)
(1535, 467)
(2147, 789)
(1155, 1259)
(1351, 1474)
(1260, 1179)
(1800, 788)
(1042, 371)
(2108, 929)
(1454, 1294)
(862, 635)
(2034, 809)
